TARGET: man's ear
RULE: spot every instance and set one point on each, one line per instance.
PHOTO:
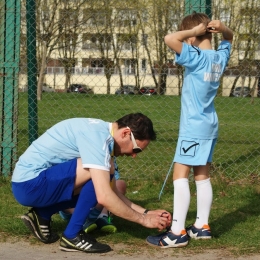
(126, 131)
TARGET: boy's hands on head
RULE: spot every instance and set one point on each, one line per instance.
(216, 26)
(200, 29)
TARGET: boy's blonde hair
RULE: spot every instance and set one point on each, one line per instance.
(192, 20)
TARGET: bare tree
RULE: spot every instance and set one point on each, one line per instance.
(243, 19)
(163, 17)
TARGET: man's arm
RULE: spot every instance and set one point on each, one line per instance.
(124, 208)
(140, 209)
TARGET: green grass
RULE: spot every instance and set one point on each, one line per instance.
(234, 217)
(235, 172)
(237, 153)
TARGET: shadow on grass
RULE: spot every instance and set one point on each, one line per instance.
(251, 155)
(226, 223)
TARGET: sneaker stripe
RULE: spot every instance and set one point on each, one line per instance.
(84, 246)
(83, 243)
(41, 231)
(199, 233)
(45, 230)
(168, 241)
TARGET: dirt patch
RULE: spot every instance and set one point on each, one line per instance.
(24, 250)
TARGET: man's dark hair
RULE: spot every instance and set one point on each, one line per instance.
(140, 125)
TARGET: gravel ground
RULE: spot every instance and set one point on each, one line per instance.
(24, 250)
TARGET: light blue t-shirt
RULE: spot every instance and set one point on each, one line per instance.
(86, 138)
(203, 69)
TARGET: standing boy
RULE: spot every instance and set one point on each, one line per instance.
(198, 123)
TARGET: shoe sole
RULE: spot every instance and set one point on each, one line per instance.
(197, 238)
(169, 246)
(69, 249)
(28, 222)
(65, 249)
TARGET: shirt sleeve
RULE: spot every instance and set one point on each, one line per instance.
(189, 56)
(95, 149)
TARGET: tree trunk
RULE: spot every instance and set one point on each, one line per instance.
(41, 72)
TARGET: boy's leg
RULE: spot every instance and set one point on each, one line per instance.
(204, 195)
(177, 236)
(180, 205)
(201, 229)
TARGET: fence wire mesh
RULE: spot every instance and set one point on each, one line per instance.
(105, 58)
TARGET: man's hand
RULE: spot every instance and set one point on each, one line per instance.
(160, 219)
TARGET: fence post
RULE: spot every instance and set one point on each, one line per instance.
(32, 70)
(199, 6)
(9, 76)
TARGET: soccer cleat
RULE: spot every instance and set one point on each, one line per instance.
(89, 225)
(168, 239)
(105, 225)
(65, 216)
(40, 227)
(199, 233)
(83, 242)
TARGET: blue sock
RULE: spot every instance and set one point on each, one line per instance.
(87, 200)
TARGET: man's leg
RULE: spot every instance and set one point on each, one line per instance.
(87, 200)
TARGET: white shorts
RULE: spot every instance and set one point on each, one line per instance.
(190, 151)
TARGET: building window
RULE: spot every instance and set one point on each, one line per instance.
(97, 17)
(126, 17)
(126, 41)
(144, 61)
(95, 41)
(68, 17)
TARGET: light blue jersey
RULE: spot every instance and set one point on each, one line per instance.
(203, 69)
(86, 138)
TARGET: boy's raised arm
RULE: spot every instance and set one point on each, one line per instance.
(216, 26)
(174, 40)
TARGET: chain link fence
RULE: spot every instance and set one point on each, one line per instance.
(105, 59)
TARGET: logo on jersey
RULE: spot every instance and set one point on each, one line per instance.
(93, 121)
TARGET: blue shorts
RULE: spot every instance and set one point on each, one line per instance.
(54, 185)
(194, 152)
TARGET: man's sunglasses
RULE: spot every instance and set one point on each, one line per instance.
(136, 148)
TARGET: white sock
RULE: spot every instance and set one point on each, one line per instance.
(102, 215)
(181, 203)
(204, 202)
